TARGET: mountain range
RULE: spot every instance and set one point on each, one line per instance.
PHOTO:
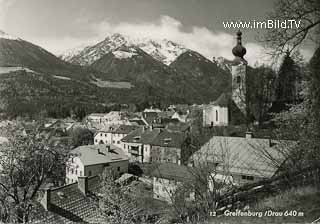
(163, 50)
(115, 70)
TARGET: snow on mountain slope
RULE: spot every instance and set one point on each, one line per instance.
(7, 36)
(120, 54)
(162, 50)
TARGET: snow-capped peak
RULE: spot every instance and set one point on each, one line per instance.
(162, 50)
(7, 36)
(122, 54)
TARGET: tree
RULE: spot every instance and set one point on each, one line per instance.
(287, 82)
(260, 86)
(79, 113)
(81, 136)
(209, 178)
(305, 13)
(116, 204)
(314, 105)
(28, 161)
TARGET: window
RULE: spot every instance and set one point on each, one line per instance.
(105, 135)
(217, 118)
(71, 171)
(145, 149)
(118, 142)
(96, 140)
(90, 173)
(247, 177)
(76, 171)
(238, 79)
(101, 134)
(67, 180)
(113, 141)
(118, 168)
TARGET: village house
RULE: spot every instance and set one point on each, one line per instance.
(181, 116)
(92, 160)
(137, 144)
(167, 177)
(167, 147)
(242, 159)
(216, 113)
(107, 119)
(113, 134)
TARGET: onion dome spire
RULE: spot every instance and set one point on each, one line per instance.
(239, 50)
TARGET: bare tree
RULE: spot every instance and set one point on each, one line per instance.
(195, 198)
(27, 162)
(305, 13)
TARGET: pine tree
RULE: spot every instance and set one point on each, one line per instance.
(286, 90)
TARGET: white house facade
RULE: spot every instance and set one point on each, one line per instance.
(92, 160)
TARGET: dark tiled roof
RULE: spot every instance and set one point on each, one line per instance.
(70, 205)
(150, 117)
(125, 129)
(138, 121)
(172, 171)
(118, 129)
(222, 101)
(142, 135)
(168, 138)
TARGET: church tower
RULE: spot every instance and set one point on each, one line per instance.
(238, 70)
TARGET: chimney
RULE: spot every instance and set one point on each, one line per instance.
(271, 143)
(83, 184)
(249, 134)
(45, 201)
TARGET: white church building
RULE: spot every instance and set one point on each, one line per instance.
(218, 113)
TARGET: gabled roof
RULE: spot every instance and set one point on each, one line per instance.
(172, 171)
(222, 101)
(99, 154)
(118, 129)
(244, 156)
(142, 135)
(168, 138)
(69, 205)
(96, 115)
(125, 129)
(150, 117)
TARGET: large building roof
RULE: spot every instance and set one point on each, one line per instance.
(223, 100)
(69, 205)
(119, 129)
(142, 135)
(168, 138)
(244, 156)
(172, 171)
(99, 154)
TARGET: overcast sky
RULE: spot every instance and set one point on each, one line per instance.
(58, 25)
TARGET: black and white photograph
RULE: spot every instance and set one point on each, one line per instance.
(159, 111)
